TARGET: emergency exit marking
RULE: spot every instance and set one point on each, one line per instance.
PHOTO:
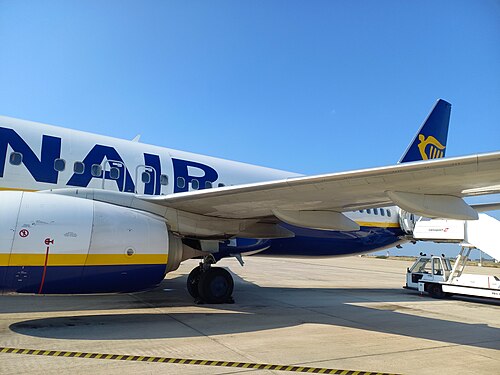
(24, 233)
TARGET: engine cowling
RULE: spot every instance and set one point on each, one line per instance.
(59, 244)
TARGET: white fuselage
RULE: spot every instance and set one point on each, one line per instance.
(43, 157)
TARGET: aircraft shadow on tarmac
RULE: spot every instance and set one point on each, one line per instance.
(257, 308)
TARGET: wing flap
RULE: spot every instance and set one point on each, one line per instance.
(344, 191)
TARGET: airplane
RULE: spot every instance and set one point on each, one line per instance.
(86, 213)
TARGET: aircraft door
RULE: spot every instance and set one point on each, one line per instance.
(406, 221)
(114, 175)
(154, 176)
(146, 179)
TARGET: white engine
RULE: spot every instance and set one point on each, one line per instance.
(59, 244)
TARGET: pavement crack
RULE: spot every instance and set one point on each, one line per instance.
(201, 333)
(399, 352)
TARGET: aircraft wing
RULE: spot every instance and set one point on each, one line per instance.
(431, 188)
(483, 207)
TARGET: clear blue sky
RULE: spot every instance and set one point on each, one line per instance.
(307, 86)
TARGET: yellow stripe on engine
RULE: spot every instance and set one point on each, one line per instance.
(27, 259)
(4, 259)
(107, 259)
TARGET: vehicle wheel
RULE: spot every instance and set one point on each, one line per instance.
(216, 285)
(192, 282)
(436, 291)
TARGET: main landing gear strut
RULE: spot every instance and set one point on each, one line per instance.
(208, 284)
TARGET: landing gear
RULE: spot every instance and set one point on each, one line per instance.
(193, 281)
(207, 284)
(216, 286)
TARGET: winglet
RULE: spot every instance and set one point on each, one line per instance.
(430, 140)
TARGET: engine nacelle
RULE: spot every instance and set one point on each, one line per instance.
(59, 244)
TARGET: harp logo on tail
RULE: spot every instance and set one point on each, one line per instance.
(435, 149)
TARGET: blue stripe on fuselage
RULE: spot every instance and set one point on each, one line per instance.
(335, 243)
(313, 242)
(333, 246)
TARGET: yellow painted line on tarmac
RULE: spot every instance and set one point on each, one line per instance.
(185, 361)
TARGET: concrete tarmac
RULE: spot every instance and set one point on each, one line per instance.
(344, 313)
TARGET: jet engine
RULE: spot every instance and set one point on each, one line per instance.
(58, 244)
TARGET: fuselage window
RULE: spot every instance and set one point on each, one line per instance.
(16, 158)
(208, 184)
(163, 179)
(181, 182)
(361, 211)
(114, 173)
(145, 177)
(195, 184)
(389, 213)
(368, 211)
(221, 184)
(78, 167)
(59, 165)
(375, 211)
(96, 170)
(382, 212)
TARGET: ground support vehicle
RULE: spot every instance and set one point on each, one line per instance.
(436, 276)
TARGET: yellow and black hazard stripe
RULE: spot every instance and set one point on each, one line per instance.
(183, 361)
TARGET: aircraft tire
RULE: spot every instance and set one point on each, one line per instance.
(192, 282)
(436, 291)
(216, 285)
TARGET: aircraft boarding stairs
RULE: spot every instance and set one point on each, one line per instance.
(483, 234)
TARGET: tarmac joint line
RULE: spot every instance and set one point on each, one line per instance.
(185, 361)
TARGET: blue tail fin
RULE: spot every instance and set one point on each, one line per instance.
(430, 140)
